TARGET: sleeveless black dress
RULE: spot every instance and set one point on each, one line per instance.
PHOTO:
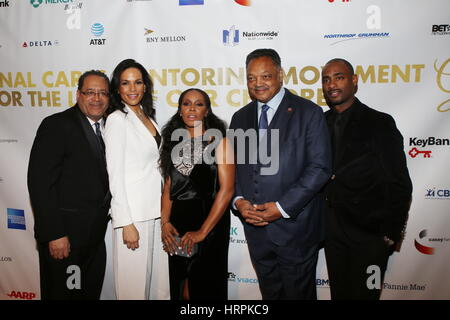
(194, 185)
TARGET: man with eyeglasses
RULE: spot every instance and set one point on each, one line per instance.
(69, 193)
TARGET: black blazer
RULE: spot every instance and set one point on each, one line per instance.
(372, 188)
(67, 180)
(304, 168)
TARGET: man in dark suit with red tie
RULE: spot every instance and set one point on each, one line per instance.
(369, 194)
(279, 201)
(69, 193)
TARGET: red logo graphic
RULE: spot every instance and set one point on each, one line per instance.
(331, 1)
(244, 2)
(22, 295)
(24, 45)
(420, 247)
(414, 152)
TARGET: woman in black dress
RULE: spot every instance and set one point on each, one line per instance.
(198, 170)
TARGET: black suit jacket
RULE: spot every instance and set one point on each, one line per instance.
(67, 181)
(304, 168)
(371, 188)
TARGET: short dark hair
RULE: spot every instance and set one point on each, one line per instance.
(91, 73)
(271, 53)
(348, 64)
(147, 99)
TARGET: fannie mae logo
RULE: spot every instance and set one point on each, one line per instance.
(37, 3)
(16, 219)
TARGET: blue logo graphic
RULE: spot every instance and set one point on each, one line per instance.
(16, 219)
(231, 37)
(97, 29)
(191, 2)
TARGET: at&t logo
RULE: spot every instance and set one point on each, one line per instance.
(97, 29)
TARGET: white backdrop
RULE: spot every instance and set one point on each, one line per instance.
(400, 49)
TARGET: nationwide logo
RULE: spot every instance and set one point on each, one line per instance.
(162, 39)
(40, 43)
(16, 219)
(440, 29)
(231, 37)
(191, 2)
(37, 3)
(22, 295)
(246, 3)
(232, 277)
(441, 194)
(4, 4)
(428, 249)
(97, 29)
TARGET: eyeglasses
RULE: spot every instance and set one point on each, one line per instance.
(92, 94)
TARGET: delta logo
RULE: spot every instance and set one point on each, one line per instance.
(40, 43)
(426, 245)
(22, 295)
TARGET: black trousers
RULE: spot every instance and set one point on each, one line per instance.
(78, 277)
(356, 260)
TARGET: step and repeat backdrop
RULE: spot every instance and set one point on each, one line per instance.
(400, 50)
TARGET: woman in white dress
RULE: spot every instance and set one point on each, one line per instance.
(132, 142)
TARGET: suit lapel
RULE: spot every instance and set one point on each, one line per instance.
(93, 142)
(283, 116)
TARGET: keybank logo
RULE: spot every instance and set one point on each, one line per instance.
(16, 219)
(37, 3)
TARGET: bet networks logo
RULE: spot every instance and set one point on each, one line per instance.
(427, 248)
(191, 2)
(246, 3)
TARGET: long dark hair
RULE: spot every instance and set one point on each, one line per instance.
(211, 121)
(147, 100)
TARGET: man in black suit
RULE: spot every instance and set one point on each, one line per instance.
(279, 201)
(69, 192)
(369, 193)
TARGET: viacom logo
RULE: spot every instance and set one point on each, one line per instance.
(22, 295)
(428, 249)
(232, 277)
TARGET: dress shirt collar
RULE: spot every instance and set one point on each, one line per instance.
(273, 103)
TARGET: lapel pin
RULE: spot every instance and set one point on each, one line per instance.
(289, 109)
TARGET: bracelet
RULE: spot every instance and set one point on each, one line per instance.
(163, 223)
